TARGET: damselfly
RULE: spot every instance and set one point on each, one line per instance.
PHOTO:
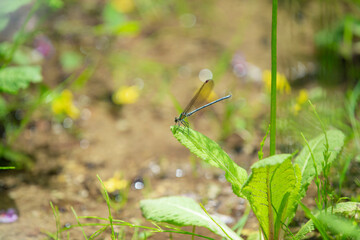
(201, 95)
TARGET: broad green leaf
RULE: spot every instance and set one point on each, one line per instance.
(293, 199)
(345, 208)
(317, 145)
(271, 189)
(183, 211)
(12, 79)
(305, 229)
(211, 152)
(349, 208)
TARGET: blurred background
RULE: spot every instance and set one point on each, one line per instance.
(91, 87)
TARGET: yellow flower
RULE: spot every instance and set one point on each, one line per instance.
(124, 6)
(303, 97)
(282, 84)
(64, 105)
(115, 183)
(126, 95)
(296, 108)
(300, 100)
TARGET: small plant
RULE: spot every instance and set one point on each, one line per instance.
(14, 79)
(273, 189)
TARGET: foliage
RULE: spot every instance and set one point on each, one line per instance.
(70, 60)
(12, 79)
(337, 50)
(340, 38)
(272, 189)
(275, 184)
(20, 67)
(22, 56)
(349, 209)
(310, 159)
(340, 226)
(116, 21)
(183, 211)
(211, 153)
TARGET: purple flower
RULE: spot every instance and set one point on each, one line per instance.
(44, 46)
(8, 216)
(239, 65)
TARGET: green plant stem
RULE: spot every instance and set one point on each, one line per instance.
(107, 199)
(214, 221)
(273, 79)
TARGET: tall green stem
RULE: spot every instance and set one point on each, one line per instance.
(273, 79)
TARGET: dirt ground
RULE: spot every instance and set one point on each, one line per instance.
(134, 138)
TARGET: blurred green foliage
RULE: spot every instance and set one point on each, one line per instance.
(117, 22)
(20, 66)
(70, 60)
(338, 51)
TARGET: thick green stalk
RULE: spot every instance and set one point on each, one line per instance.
(273, 79)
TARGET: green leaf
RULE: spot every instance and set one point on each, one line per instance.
(211, 152)
(340, 225)
(293, 199)
(305, 229)
(319, 225)
(317, 145)
(12, 79)
(347, 208)
(271, 189)
(183, 211)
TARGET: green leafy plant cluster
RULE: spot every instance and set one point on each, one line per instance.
(274, 188)
(19, 68)
(337, 50)
(13, 81)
